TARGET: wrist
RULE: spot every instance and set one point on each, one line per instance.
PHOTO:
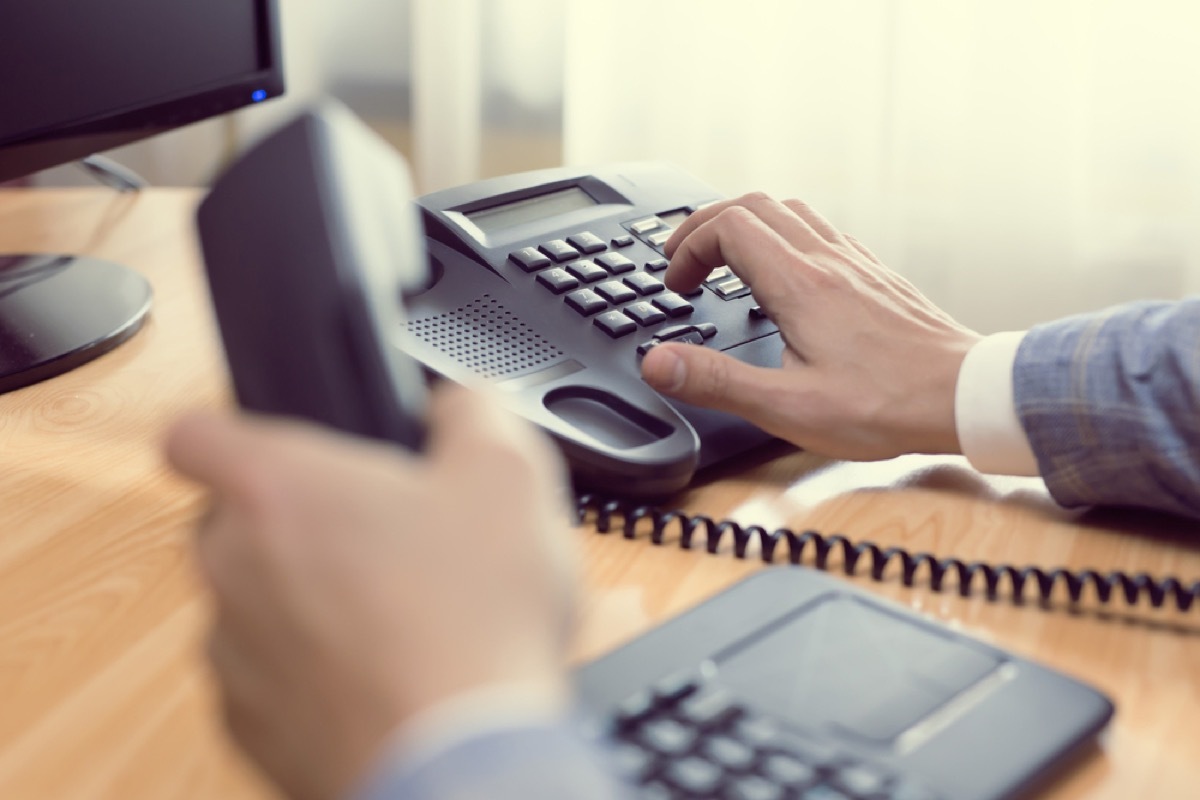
(933, 405)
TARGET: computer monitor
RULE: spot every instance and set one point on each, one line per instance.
(78, 77)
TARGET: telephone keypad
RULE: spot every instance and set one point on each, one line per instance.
(707, 744)
(616, 292)
(591, 285)
(529, 259)
(587, 242)
(644, 284)
(557, 280)
(645, 313)
(559, 250)
(616, 263)
(586, 302)
(588, 271)
(673, 305)
(615, 324)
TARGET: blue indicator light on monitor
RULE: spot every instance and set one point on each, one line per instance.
(259, 96)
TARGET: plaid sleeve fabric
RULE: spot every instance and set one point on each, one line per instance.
(1111, 405)
(534, 762)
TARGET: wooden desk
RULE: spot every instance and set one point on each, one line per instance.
(103, 693)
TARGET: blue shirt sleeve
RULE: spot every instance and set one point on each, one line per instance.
(1111, 405)
(550, 762)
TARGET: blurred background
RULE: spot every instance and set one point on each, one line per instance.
(1016, 159)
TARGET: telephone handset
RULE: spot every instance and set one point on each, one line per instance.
(309, 241)
(549, 285)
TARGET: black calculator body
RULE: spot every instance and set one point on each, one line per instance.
(795, 685)
(548, 285)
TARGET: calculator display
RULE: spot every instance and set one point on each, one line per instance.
(543, 206)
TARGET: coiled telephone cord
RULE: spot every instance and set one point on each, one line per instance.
(607, 513)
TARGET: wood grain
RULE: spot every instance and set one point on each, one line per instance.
(103, 688)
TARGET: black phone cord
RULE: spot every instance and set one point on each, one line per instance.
(607, 512)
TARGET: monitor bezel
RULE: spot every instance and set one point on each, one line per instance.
(78, 139)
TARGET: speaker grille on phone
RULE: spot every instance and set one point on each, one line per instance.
(488, 338)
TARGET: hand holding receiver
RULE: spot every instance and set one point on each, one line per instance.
(354, 587)
(869, 366)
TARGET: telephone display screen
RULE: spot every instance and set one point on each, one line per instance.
(534, 208)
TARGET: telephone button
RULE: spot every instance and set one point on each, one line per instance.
(588, 271)
(616, 263)
(586, 302)
(757, 312)
(529, 259)
(673, 305)
(683, 334)
(624, 240)
(659, 239)
(559, 250)
(645, 313)
(645, 225)
(734, 287)
(587, 242)
(657, 265)
(557, 280)
(616, 292)
(644, 284)
(679, 332)
(615, 324)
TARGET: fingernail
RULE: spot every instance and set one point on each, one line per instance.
(671, 373)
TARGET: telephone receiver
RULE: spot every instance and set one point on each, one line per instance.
(309, 240)
(545, 285)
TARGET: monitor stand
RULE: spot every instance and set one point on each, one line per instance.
(58, 312)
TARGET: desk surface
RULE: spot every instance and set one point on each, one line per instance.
(105, 694)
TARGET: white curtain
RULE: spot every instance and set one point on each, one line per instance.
(1016, 159)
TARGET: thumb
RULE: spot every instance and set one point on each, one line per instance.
(709, 378)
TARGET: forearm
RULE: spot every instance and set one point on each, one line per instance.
(1110, 403)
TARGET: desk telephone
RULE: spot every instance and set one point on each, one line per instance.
(548, 284)
(788, 685)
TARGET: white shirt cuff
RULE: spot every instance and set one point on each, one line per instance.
(985, 413)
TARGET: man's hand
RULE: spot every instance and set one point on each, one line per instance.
(357, 585)
(869, 366)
